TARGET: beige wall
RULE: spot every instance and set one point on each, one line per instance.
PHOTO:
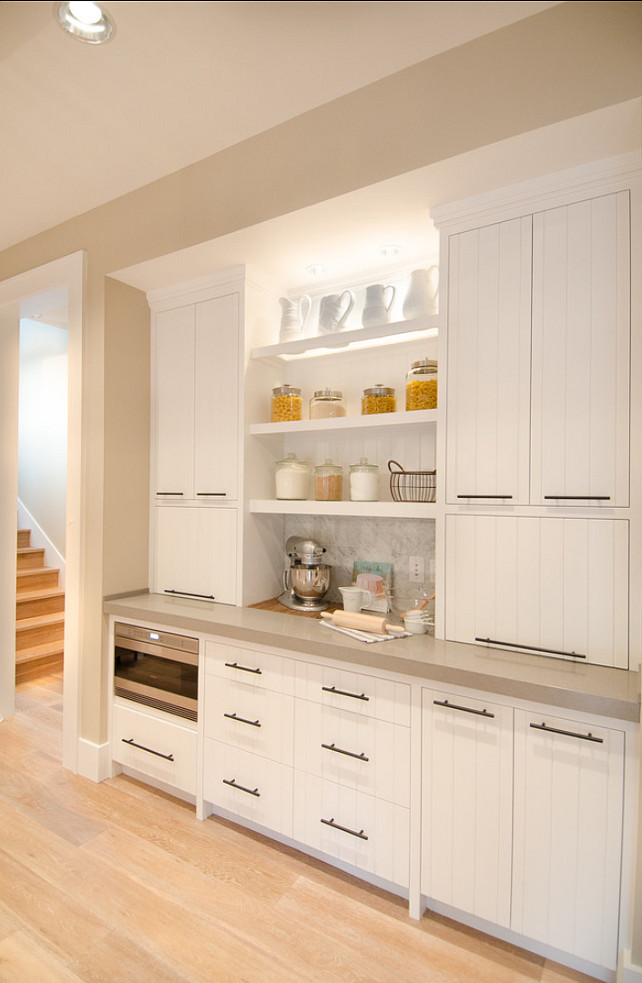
(569, 60)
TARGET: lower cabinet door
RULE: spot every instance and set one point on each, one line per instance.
(163, 750)
(363, 753)
(247, 717)
(467, 804)
(248, 785)
(567, 836)
(357, 829)
(195, 552)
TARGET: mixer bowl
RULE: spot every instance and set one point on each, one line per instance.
(309, 582)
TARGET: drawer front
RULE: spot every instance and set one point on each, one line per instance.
(161, 749)
(352, 827)
(256, 720)
(246, 785)
(357, 692)
(362, 753)
(261, 669)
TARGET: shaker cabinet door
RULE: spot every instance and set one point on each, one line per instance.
(488, 402)
(581, 297)
(547, 586)
(173, 404)
(195, 552)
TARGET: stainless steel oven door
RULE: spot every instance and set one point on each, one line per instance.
(155, 673)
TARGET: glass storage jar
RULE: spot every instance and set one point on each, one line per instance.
(327, 403)
(328, 482)
(421, 385)
(378, 399)
(364, 481)
(286, 404)
(292, 479)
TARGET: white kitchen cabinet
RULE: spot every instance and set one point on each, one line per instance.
(567, 835)
(164, 750)
(195, 397)
(581, 341)
(359, 693)
(551, 426)
(248, 785)
(194, 552)
(548, 586)
(249, 717)
(467, 804)
(489, 337)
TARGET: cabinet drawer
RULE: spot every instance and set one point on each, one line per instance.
(355, 828)
(161, 749)
(248, 786)
(360, 752)
(262, 669)
(250, 718)
(356, 692)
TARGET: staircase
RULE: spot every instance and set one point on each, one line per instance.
(40, 612)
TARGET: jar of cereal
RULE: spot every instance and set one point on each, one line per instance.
(378, 399)
(421, 385)
(286, 404)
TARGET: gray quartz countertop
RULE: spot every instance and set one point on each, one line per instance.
(568, 685)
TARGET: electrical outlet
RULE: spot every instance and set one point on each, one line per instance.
(416, 569)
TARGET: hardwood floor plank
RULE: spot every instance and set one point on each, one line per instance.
(119, 959)
(23, 959)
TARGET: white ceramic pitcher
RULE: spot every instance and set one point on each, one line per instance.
(423, 293)
(294, 314)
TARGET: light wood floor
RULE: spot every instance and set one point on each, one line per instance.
(118, 883)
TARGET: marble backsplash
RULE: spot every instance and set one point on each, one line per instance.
(347, 539)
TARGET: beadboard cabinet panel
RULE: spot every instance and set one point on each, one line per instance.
(164, 750)
(173, 403)
(467, 804)
(488, 396)
(249, 717)
(567, 835)
(552, 586)
(581, 332)
(250, 786)
(195, 552)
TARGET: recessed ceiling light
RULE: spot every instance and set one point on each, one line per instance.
(390, 250)
(316, 270)
(86, 21)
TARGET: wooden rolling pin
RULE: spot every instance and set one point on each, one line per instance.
(362, 622)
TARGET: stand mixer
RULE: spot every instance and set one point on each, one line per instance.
(306, 580)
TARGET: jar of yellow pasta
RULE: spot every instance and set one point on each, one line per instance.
(286, 404)
(378, 399)
(421, 385)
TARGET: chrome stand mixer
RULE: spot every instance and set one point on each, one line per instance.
(306, 580)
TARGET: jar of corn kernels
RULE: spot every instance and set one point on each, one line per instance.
(378, 399)
(421, 385)
(286, 404)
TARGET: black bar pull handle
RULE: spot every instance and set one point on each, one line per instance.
(530, 648)
(484, 496)
(242, 788)
(235, 665)
(580, 498)
(211, 494)
(242, 720)
(189, 593)
(141, 747)
(349, 754)
(175, 494)
(344, 829)
(568, 733)
(342, 692)
(454, 706)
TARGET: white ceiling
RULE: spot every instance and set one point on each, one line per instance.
(82, 124)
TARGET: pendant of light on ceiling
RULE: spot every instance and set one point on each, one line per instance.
(86, 21)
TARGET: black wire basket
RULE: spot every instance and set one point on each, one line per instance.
(411, 486)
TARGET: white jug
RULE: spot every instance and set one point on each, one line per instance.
(375, 309)
(294, 314)
(331, 318)
(423, 293)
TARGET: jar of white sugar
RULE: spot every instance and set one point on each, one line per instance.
(364, 481)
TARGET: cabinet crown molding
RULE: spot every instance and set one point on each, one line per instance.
(193, 291)
(560, 188)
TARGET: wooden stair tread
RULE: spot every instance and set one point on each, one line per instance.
(32, 570)
(56, 617)
(41, 593)
(40, 651)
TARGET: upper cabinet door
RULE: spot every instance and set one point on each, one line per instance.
(580, 429)
(489, 325)
(173, 402)
(216, 399)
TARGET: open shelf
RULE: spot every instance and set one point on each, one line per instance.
(388, 422)
(385, 510)
(414, 329)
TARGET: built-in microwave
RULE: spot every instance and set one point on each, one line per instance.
(156, 668)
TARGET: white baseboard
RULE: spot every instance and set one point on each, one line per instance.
(40, 540)
(629, 973)
(94, 760)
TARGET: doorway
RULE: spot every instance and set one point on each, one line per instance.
(40, 290)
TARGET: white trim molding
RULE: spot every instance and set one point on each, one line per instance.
(94, 760)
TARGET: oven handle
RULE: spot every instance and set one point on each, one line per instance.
(149, 648)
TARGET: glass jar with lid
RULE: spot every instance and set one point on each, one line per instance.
(292, 479)
(327, 403)
(421, 385)
(378, 399)
(286, 404)
(328, 482)
(364, 481)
